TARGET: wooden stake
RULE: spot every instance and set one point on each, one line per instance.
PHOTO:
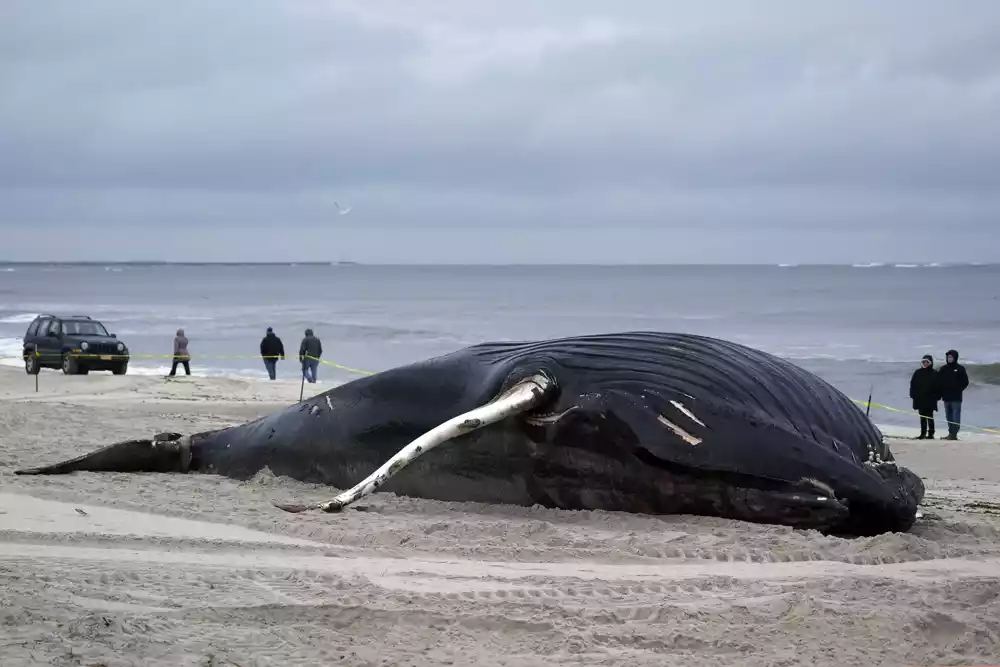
(302, 382)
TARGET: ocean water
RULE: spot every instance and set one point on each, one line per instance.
(861, 328)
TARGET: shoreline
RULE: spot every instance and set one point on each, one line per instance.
(189, 569)
(255, 387)
(886, 381)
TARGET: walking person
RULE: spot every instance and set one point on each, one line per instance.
(271, 349)
(181, 355)
(310, 351)
(954, 381)
(925, 390)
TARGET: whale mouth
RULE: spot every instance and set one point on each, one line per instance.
(518, 398)
(164, 452)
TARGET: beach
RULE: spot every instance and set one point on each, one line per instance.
(159, 569)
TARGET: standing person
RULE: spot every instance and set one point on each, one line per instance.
(924, 390)
(181, 355)
(271, 348)
(310, 351)
(954, 380)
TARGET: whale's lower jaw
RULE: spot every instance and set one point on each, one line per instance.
(586, 481)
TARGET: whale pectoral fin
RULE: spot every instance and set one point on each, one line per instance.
(522, 397)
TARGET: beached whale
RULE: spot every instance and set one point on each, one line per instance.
(649, 422)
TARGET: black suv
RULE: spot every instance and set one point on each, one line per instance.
(75, 343)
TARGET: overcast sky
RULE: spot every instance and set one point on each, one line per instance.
(460, 131)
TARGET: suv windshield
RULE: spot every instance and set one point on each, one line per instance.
(83, 328)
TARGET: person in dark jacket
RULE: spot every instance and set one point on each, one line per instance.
(271, 349)
(953, 380)
(310, 350)
(925, 390)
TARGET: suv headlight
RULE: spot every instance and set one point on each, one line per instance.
(121, 347)
(84, 345)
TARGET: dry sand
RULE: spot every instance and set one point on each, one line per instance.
(170, 570)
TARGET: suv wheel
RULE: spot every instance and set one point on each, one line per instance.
(31, 363)
(120, 368)
(69, 365)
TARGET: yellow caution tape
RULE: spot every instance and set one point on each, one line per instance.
(112, 357)
(915, 413)
(362, 372)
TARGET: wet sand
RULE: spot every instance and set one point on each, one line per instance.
(169, 570)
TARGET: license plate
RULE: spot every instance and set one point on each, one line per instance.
(105, 357)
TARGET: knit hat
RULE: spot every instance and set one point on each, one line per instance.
(928, 358)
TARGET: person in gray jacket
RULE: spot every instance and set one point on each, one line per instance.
(181, 355)
(310, 352)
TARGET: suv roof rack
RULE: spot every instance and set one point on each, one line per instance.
(63, 317)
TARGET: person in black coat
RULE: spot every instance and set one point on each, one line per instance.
(271, 349)
(954, 381)
(925, 390)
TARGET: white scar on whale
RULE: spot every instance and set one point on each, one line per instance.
(687, 437)
(687, 412)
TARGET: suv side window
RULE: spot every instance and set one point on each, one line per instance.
(56, 327)
(33, 329)
(48, 325)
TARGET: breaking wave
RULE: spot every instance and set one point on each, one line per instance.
(984, 373)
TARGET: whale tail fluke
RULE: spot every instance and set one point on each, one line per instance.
(165, 452)
(526, 395)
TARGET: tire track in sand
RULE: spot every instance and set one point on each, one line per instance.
(149, 590)
(282, 607)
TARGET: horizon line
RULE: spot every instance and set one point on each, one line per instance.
(155, 262)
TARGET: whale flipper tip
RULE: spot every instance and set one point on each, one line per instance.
(294, 508)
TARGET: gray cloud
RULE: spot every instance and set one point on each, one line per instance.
(558, 131)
